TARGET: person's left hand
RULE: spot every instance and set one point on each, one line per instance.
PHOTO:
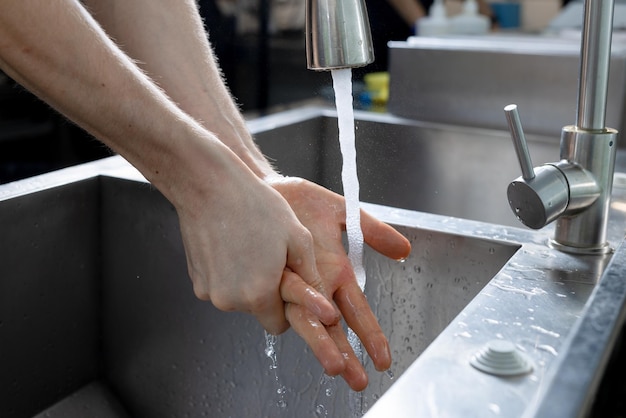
(322, 212)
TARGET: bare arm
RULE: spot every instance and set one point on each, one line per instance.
(172, 47)
(58, 51)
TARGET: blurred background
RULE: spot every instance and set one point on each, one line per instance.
(260, 47)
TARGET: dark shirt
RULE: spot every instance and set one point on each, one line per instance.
(387, 25)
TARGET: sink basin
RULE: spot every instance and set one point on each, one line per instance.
(98, 316)
(97, 300)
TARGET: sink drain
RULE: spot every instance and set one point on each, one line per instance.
(501, 358)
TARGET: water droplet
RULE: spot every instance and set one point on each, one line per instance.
(320, 411)
(545, 331)
(548, 349)
(495, 408)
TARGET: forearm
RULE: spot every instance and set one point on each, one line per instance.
(172, 47)
(73, 66)
(56, 50)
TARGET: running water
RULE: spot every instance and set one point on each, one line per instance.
(270, 352)
(342, 84)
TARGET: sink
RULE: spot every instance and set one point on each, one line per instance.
(97, 312)
(97, 303)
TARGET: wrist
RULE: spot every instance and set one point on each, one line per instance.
(198, 170)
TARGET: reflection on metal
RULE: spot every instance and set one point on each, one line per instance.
(337, 34)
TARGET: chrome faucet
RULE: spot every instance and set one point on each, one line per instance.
(575, 191)
(337, 34)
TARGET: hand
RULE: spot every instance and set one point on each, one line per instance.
(240, 241)
(323, 213)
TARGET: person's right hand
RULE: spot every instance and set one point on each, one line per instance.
(240, 240)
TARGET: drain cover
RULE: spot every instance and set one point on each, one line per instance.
(501, 358)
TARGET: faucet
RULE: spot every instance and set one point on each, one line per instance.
(337, 34)
(576, 191)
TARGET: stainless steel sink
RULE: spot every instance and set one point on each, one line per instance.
(97, 291)
(97, 313)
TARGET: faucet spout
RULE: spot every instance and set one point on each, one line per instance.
(595, 57)
(337, 34)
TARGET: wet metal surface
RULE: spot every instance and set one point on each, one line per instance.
(97, 311)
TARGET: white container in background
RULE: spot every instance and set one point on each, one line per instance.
(469, 22)
(436, 23)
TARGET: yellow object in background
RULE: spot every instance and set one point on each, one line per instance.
(377, 85)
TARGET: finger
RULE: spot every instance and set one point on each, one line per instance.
(272, 324)
(329, 345)
(301, 260)
(308, 327)
(354, 374)
(294, 290)
(269, 310)
(359, 316)
(384, 238)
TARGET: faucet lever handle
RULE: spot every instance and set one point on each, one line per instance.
(540, 195)
(519, 142)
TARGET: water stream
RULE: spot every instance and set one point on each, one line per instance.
(270, 352)
(342, 84)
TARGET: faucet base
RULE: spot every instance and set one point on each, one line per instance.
(600, 250)
(583, 226)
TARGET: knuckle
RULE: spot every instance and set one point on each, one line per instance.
(305, 236)
(199, 289)
(201, 294)
(224, 303)
(258, 300)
